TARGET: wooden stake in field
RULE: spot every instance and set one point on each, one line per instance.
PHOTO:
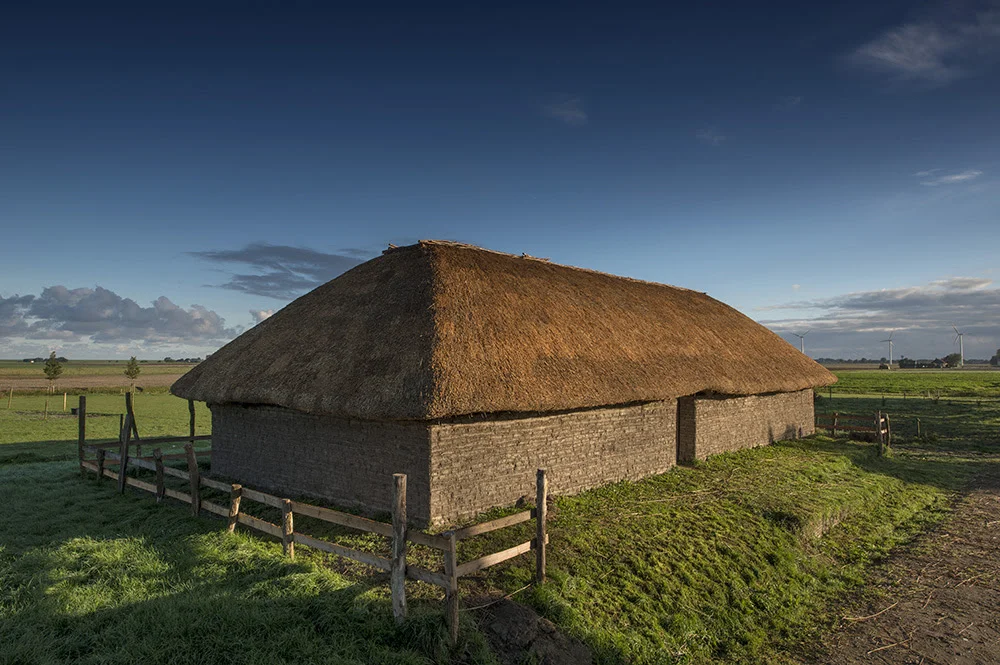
(192, 461)
(81, 436)
(541, 510)
(451, 593)
(287, 529)
(235, 494)
(64, 402)
(191, 419)
(398, 572)
(10, 396)
(161, 489)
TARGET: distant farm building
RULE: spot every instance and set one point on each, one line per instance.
(468, 369)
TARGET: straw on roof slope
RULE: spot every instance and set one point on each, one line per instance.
(441, 329)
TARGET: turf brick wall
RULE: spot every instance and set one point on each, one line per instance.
(461, 467)
(491, 462)
(714, 424)
(296, 454)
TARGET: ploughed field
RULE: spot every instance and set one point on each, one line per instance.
(753, 556)
(84, 375)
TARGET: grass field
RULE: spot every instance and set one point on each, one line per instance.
(954, 383)
(738, 559)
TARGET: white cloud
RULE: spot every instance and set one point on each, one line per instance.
(261, 314)
(935, 177)
(567, 109)
(104, 317)
(710, 136)
(932, 52)
(796, 287)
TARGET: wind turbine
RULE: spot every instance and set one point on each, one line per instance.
(890, 346)
(802, 340)
(959, 337)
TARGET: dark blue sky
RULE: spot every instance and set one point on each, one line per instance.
(795, 160)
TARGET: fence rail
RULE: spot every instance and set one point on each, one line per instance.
(877, 425)
(398, 532)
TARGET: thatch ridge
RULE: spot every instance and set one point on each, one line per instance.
(441, 329)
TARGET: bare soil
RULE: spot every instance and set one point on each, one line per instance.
(88, 381)
(941, 597)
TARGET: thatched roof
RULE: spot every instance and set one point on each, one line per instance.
(440, 329)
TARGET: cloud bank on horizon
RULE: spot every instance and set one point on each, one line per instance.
(99, 319)
(852, 325)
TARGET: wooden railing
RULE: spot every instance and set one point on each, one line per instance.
(399, 533)
(877, 425)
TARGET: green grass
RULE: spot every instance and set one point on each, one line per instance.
(956, 383)
(26, 436)
(738, 559)
(725, 562)
(89, 576)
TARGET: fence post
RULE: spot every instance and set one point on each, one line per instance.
(81, 436)
(235, 494)
(888, 432)
(878, 432)
(451, 593)
(833, 430)
(130, 415)
(10, 396)
(287, 529)
(918, 428)
(160, 485)
(192, 461)
(191, 414)
(123, 455)
(541, 510)
(64, 401)
(100, 464)
(398, 574)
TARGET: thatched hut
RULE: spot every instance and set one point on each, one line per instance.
(467, 369)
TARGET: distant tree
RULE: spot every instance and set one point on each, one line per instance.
(53, 368)
(953, 359)
(132, 371)
(995, 360)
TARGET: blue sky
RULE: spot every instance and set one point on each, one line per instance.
(165, 172)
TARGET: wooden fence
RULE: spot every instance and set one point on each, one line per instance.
(876, 425)
(399, 533)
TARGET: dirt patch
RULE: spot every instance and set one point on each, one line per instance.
(941, 600)
(518, 635)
